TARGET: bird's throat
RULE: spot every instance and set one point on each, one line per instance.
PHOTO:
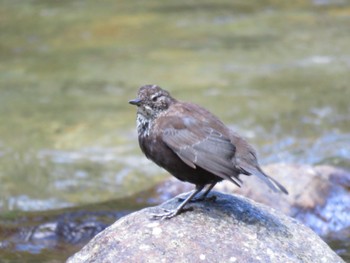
(143, 125)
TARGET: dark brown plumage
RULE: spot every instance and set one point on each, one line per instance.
(192, 144)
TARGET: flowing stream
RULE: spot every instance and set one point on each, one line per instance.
(275, 71)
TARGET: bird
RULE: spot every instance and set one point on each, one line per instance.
(193, 145)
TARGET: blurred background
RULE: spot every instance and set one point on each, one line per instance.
(275, 71)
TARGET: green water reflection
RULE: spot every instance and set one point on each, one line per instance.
(276, 71)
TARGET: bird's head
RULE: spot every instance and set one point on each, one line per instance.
(151, 101)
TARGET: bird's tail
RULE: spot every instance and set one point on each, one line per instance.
(272, 183)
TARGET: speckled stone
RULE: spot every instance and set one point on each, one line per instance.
(229, 229)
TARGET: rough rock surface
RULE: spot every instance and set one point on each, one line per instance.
(319, 196)
(228, 229)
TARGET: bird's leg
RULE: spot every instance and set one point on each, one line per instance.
(204, 195)
(171, 213)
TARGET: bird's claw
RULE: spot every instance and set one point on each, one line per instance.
(170, 213)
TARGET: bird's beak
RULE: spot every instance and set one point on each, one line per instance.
(136, 102)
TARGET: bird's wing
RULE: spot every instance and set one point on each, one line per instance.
(198, 145)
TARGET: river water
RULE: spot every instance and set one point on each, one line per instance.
(275, 71)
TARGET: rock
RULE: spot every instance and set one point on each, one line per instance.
(228, 229)
(319, 196)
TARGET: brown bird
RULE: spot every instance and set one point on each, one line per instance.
(192, 144)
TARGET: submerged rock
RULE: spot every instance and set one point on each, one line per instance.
(228, 229)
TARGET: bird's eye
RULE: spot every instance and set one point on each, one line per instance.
(155, 98)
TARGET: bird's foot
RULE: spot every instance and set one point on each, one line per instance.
(200, 199)
(170, 213)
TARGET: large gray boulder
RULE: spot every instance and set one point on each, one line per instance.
(228, 229)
